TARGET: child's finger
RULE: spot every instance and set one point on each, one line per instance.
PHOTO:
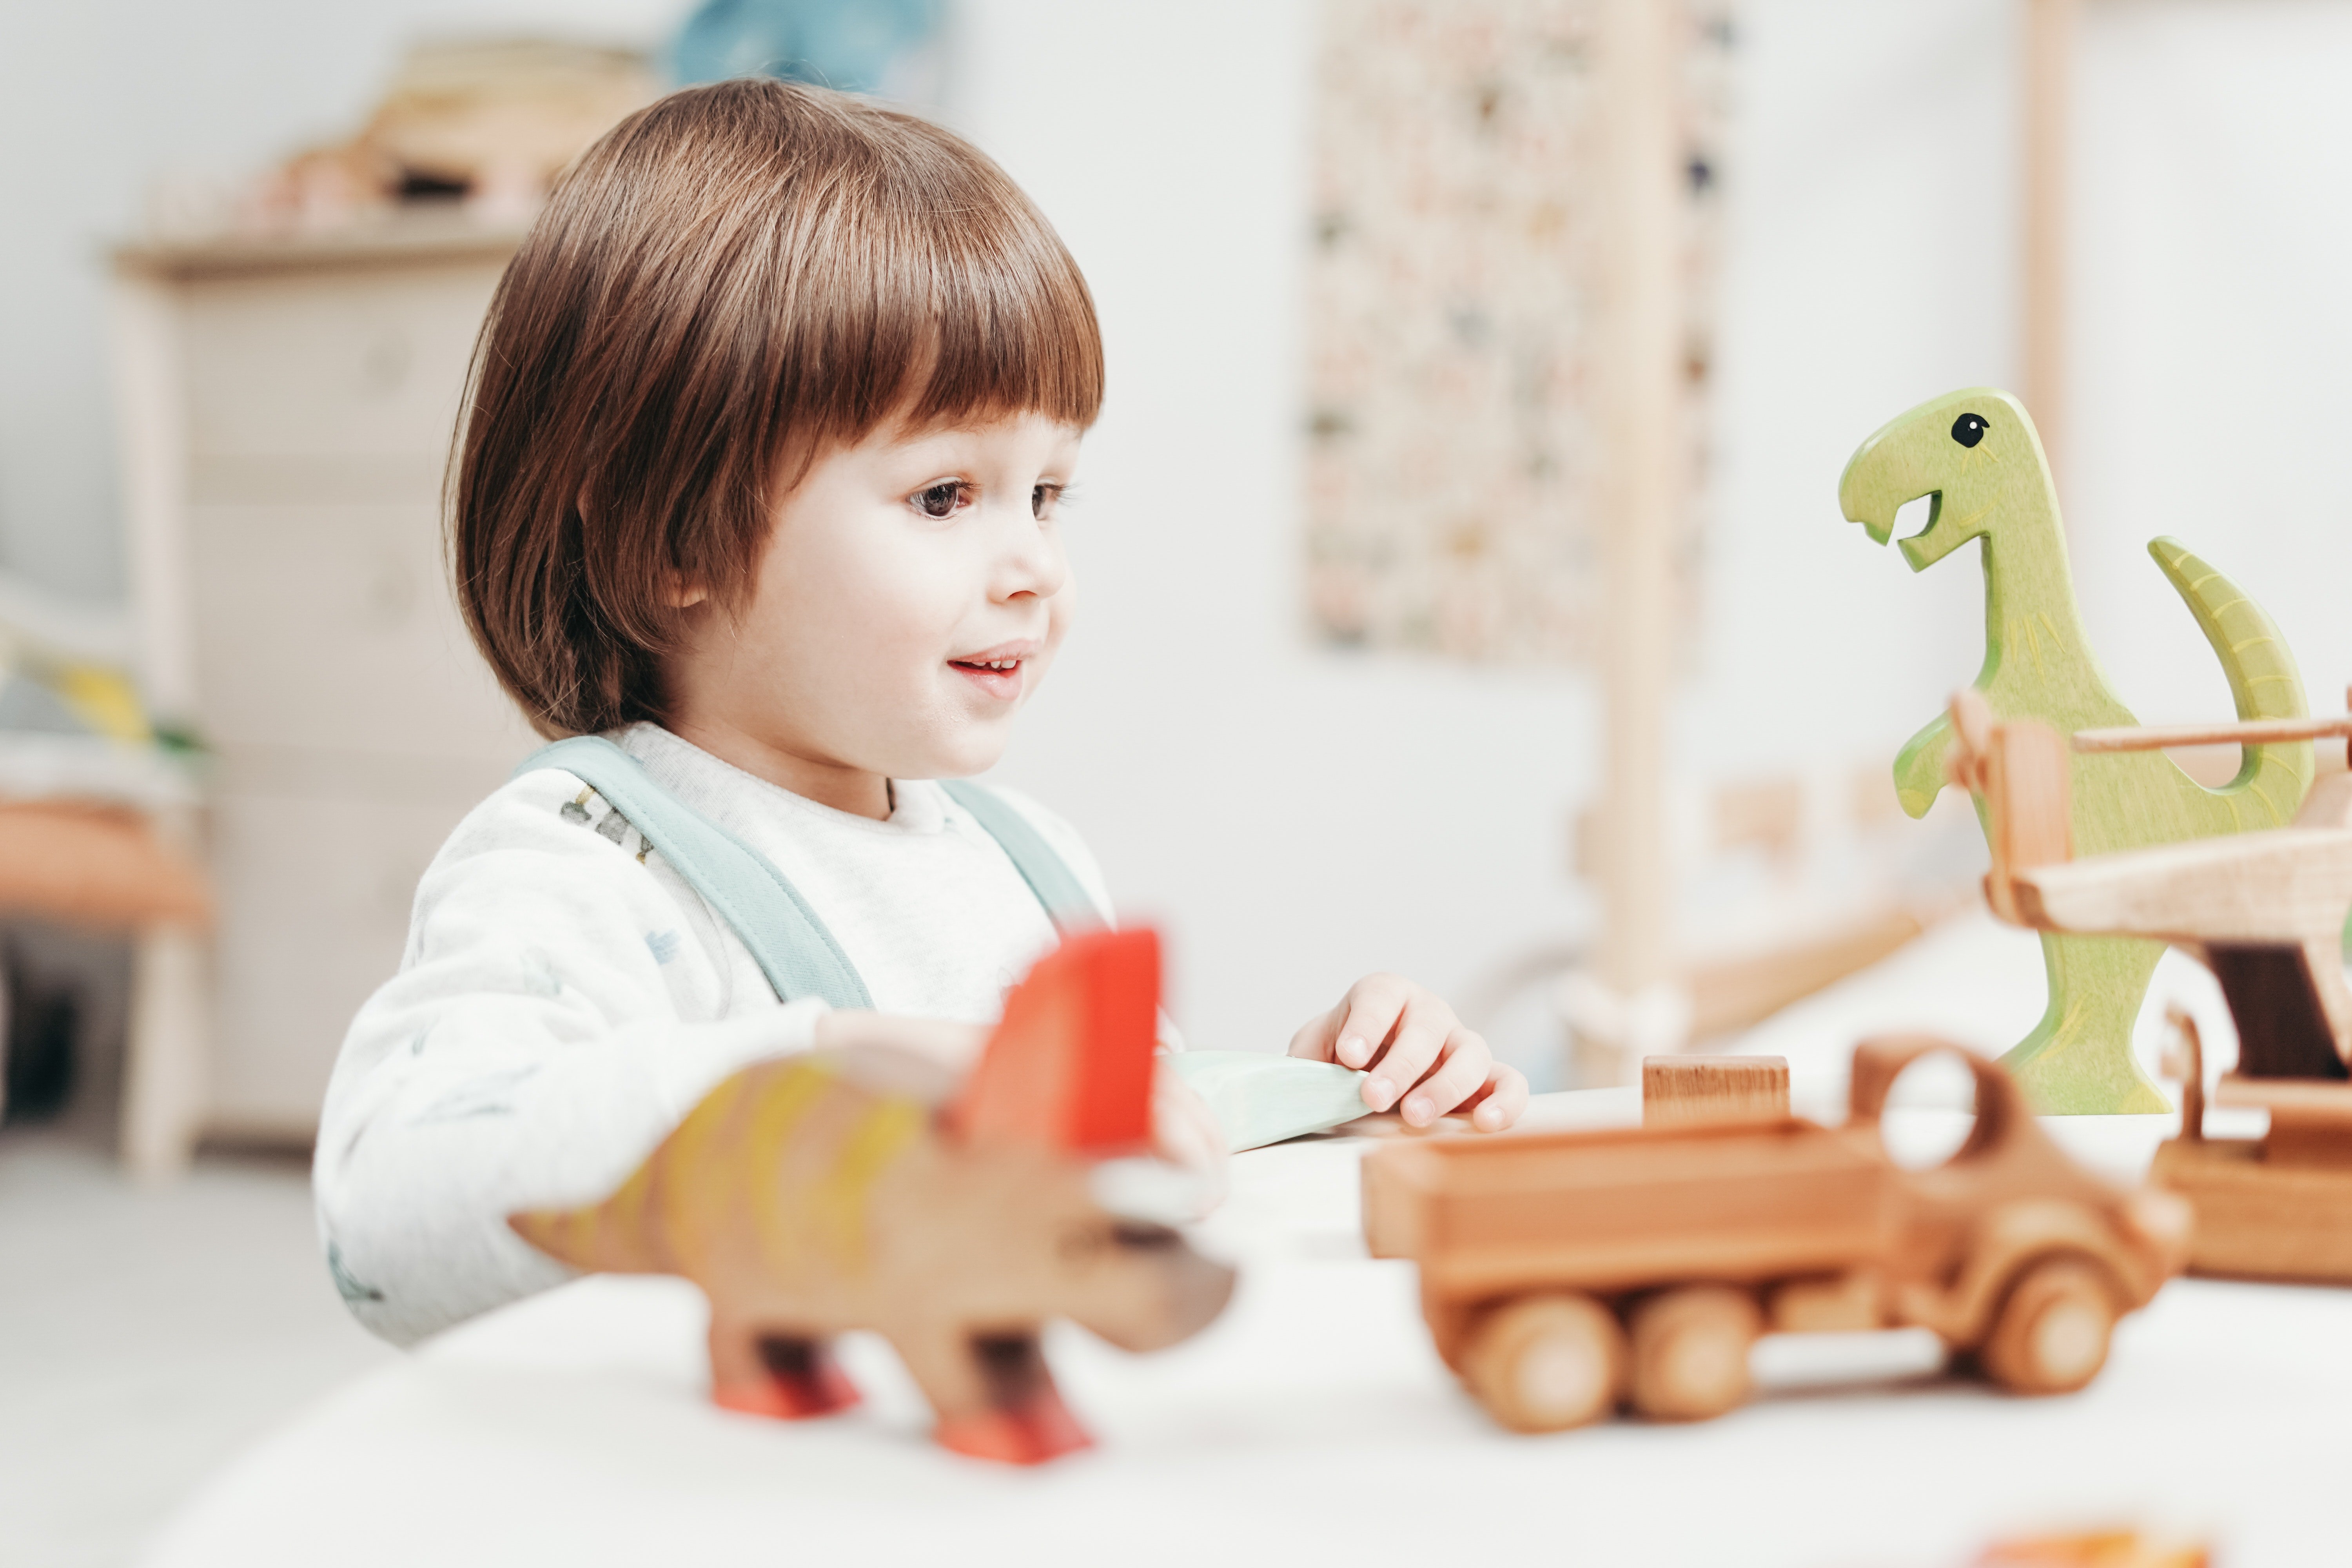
(1419, 1034)
(1500, 1103)
(1462, 1073)
(1368, 1015)
(1317, 1035)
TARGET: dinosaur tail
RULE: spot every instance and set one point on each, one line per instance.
(607, 1237)
(684, 1200)
(2263, 683)
(627, 1233)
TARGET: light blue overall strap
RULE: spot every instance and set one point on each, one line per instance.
(791, 944)
(1049, 875)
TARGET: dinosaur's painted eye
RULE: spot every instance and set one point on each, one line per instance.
(1968, 429)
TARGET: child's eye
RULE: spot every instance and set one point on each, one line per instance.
(939, 501)
(1045, 499)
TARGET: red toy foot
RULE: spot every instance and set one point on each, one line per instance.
(820, 1392)
(1041, 1429)
(760, 1398)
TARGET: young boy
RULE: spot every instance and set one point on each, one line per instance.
(769, 423)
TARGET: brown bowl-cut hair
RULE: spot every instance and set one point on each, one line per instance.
(730, 281)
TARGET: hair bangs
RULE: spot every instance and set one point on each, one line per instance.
(1012, 330)
(972, 309)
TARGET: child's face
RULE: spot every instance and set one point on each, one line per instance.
(909, 599)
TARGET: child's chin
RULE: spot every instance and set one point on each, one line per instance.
(968, 754)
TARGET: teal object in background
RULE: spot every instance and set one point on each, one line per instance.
(1261, 1099)
(854, 45)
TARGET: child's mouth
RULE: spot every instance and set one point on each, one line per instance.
(999, 678)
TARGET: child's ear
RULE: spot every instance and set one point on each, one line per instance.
(681, 593)
(1070, 1067)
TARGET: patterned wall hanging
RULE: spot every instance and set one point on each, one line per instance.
(1452, 472)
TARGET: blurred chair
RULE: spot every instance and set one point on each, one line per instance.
(114, 868)
(96, 830)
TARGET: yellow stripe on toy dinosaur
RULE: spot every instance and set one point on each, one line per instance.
(782, 1106)
(625, 1213)
(681, 1175)
(879, 1138)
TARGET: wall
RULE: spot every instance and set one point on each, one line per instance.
(2213, 329)
(1296, 817)
(1300, 816)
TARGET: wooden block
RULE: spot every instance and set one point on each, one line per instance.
(1679, 1090)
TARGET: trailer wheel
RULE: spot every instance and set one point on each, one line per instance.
(1544, 1363)
(2050, 1336)
(1689, 1352)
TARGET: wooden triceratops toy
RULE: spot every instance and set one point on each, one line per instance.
(855, 1189)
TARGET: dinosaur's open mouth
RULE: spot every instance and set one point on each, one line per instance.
(1929, 506)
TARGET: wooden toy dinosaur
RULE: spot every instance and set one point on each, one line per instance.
(1977, 454)
(816, 1193)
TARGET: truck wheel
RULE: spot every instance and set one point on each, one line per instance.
(2050, 1336)
(1689, 1352)
(1544, 1363)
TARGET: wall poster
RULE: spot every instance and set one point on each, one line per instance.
(1451, 467)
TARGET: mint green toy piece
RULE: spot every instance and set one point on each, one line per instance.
(1259, 1097)
(1977, 453)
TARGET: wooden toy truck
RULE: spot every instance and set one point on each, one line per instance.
(1562, 1273)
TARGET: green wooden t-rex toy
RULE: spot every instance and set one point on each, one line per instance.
(1977, 454)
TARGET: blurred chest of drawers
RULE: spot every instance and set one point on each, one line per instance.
(287, 412)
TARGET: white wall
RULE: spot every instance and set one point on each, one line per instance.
(2213, 280)
(1299, 815)
(1296, 817)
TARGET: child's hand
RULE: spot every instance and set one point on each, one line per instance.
(1187, 1136)
(1184, 1130)
(1413, 1046)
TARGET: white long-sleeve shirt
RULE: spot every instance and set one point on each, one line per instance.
(565, 998)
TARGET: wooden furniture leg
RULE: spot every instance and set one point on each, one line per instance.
(167, 1054)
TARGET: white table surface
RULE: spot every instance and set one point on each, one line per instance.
(1312, 1419)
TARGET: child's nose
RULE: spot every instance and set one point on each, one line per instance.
(1033, 562)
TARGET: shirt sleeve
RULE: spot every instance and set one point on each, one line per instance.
(559, 1009)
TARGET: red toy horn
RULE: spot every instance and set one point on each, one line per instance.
(1070, 1067)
